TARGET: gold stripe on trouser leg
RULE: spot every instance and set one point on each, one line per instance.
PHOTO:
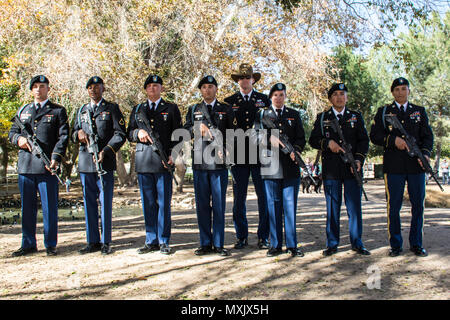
(388, 206)
(424, 197)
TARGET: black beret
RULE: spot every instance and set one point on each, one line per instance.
(399, 82)
(93, 80)
(207, 79)
(336, 87)
(277, 87)
(39, 79)
(153, 78)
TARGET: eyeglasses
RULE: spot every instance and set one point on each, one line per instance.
(245, 77)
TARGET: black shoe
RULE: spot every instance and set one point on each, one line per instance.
(221, 251)
(165, 249)
(394, 252)
(149, 248)
(241, 243)
(330, 251)
(24, 251)
(51, 251)
(419, 251)
(106, 249)
(295, 252)
(361, 250)
(263, 244)
(203, 250)
(274, 252)
(91, 247)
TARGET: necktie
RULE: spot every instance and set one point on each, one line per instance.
(209, 108)
(279, 113)
(38, 105)
(339, 116)
(246, 98)
(152, 109)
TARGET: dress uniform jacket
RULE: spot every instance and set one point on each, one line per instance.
(245, 115)
(291, 125)
(163, 121)
(415, 122)
(111, 135)
(49, 125)
(222, 117)
(355, 134)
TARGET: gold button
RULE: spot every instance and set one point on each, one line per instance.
(151, 120)
(246, 119)
(246, 112)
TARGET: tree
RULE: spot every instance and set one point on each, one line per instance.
(9, 103)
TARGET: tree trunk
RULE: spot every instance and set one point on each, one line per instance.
(438, 155)
(132, 176)
(121, 171)
(67, 166)
(4, 161)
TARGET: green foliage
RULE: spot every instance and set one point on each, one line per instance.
(9, 104)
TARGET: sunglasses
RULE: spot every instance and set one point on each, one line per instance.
(245, 77)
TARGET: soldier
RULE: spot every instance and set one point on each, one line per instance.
(336, 173)
(282, 185)
(109, 126)
(47, 122)
(210, 177)
(399, 167)
(245, 105)
(155, 182)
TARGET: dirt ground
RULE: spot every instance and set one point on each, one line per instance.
(246, 274)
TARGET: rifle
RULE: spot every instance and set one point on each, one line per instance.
(35, 147)
(92, 146)
(288, 148)
(347, 156)
(157, 146)
(215, 141)
(414, 150)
